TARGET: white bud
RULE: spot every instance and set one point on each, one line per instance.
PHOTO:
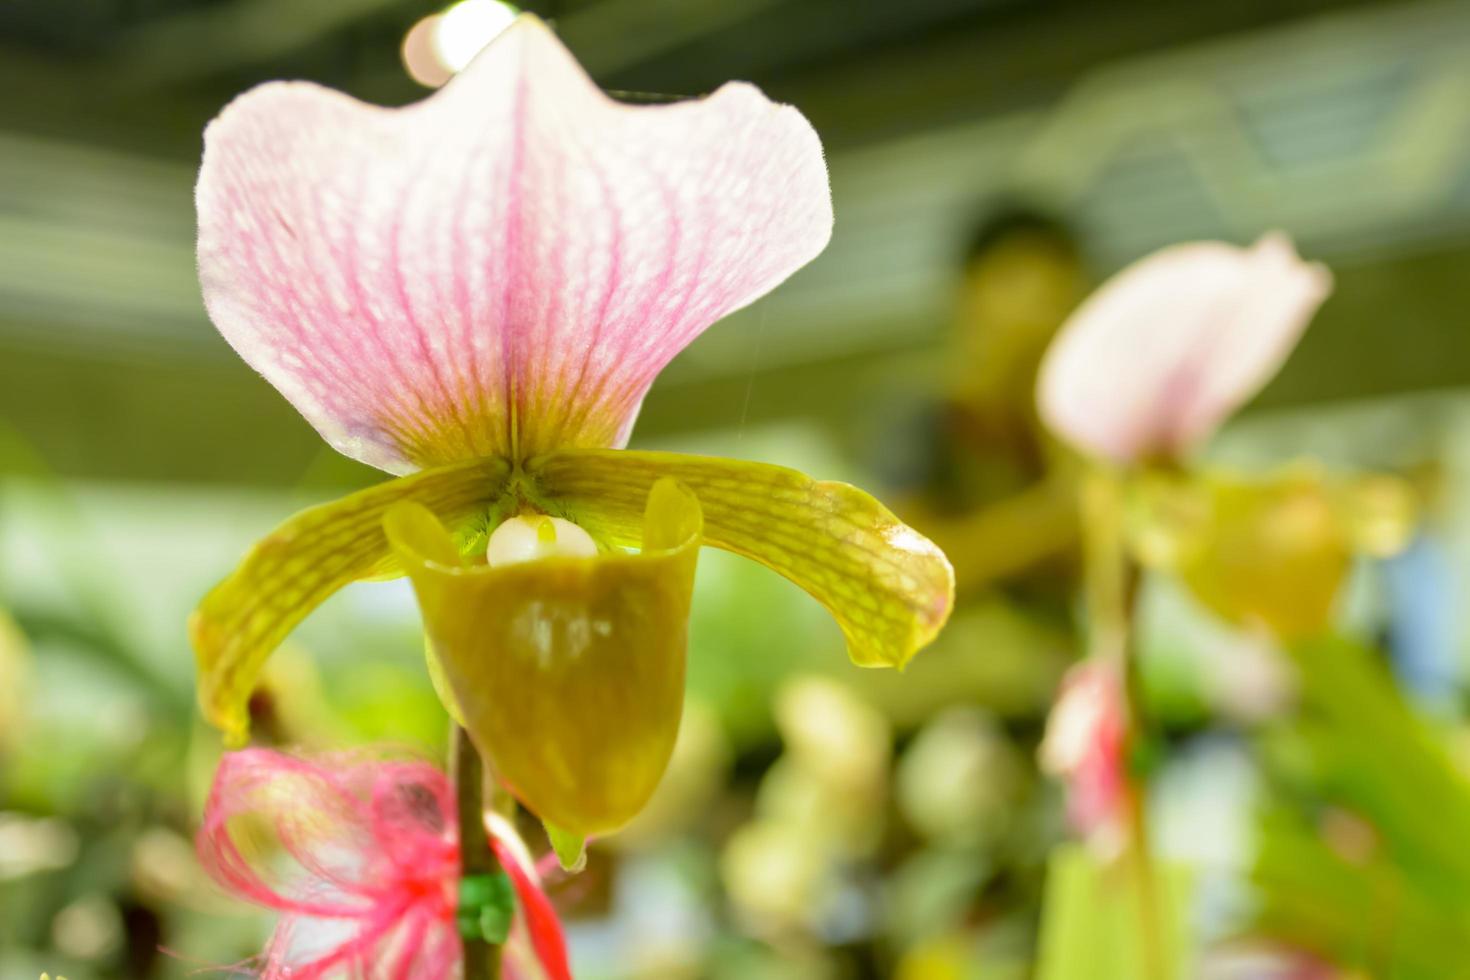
(531, 536)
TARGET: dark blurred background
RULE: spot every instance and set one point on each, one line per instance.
(1145, 122)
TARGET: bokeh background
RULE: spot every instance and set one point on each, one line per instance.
(990, 161)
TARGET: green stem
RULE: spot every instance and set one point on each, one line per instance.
(1155, 954)
(1154, 934)
(1112, 588)
(481, 959)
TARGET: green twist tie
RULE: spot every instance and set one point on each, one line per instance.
(487, 906)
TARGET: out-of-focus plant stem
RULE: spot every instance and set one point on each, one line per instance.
(481, 959)
(1111, 583)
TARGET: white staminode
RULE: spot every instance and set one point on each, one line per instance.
(531, 536)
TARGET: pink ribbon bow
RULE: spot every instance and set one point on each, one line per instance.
(361, 857)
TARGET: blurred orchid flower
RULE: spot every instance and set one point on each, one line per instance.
(1086, 737)
(1155, 360)
(361, 858)
(1272, 551)
(478, 290)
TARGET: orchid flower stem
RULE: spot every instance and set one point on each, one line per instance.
(1153, 932)
(481, 959)
(1112, 584)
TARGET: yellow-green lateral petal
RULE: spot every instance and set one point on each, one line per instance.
(888, 586)
(293, 569)
(568, 672)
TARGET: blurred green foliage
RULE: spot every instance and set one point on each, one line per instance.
(1363, 855)
(1093, 920)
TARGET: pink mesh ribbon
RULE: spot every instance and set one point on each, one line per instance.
(1086, 740)
(361, 857)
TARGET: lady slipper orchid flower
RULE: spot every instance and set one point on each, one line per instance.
(1268, 552)
(1155, 360)
(361, 858)
(477, 291)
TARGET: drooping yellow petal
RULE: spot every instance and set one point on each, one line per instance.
(568, 672)
(291, 571)
(888, 586)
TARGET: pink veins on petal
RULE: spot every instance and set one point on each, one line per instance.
(504, 267)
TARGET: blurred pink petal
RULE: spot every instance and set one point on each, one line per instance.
(504, 267)
(361, 858)
(1086, 735)
(1168, 348)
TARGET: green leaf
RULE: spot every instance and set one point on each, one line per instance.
(1099, 924)
(1362, 856)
